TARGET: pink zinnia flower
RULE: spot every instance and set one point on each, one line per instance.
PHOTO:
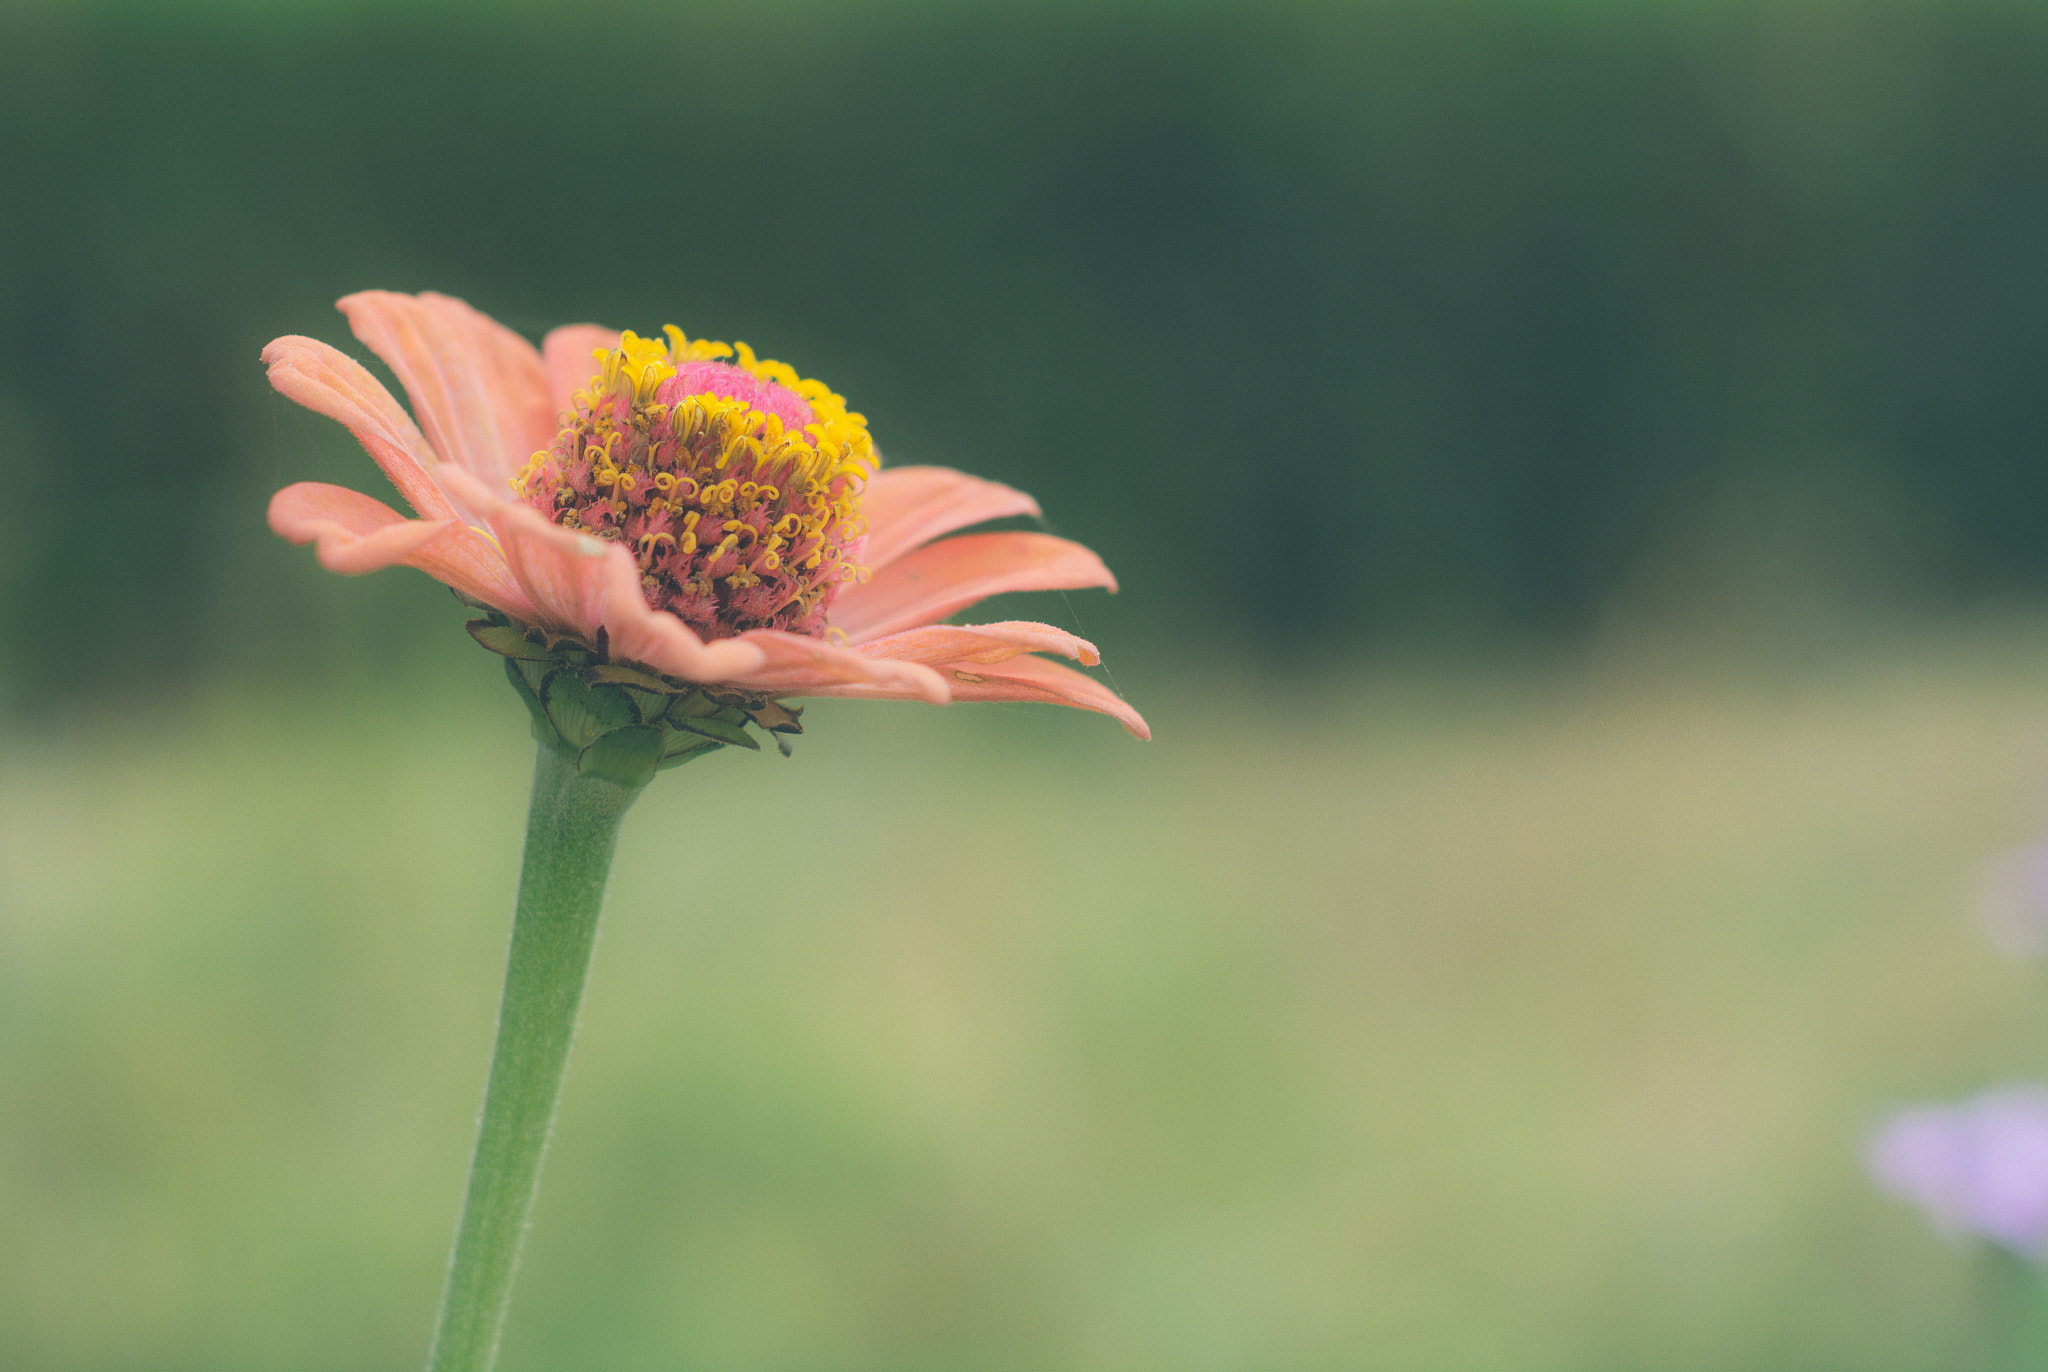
(721, 523)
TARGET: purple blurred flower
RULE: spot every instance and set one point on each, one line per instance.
(1979, 1167)
(2015, 901)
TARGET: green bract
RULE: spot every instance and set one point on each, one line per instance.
(620, 723)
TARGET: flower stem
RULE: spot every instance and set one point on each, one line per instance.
(571, 830)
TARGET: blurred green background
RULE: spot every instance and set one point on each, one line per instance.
(1575, 471)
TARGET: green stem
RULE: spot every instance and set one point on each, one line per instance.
(571, 830)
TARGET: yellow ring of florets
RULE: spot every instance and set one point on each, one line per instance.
(636, 368)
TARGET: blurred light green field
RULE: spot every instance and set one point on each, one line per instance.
(1408, 1021)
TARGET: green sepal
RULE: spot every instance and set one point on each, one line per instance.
(714, 727)
(605, 713)
(651, 706)
(506, 641)
(627, 757)
(544, 732)
(699, 747)
(678, 741)
(619, 674)
(534, 672)
(693, 705)
(584, 713)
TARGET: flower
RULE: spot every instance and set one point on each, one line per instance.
(1977, 1167)
(721, 523)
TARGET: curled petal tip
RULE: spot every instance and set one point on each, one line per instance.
(925, 683)
(1037, 678)
(276, 348)
(352, 533)
(357, 533)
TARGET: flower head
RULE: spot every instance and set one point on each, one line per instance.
(1979, 1167)
(736, 488)
(720, 522)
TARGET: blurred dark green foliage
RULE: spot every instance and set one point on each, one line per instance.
(1326, 324)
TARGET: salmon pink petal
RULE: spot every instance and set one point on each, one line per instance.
(640, 633)
(943, 577)
(561, 572)
(1034, 678)
(478, 388)
(578, 584)
(908, 507)
(943, 644)
(357, 533)
(797, 664)
(1021, 678)
(330, 382)
(567, 354)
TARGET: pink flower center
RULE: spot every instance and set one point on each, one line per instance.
(738, 495)
(728, 382)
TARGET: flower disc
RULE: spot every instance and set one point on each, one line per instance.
(735, 485)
